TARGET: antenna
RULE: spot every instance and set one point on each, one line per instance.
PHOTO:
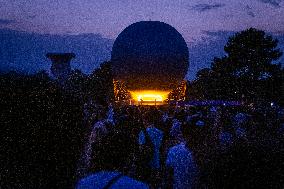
(151, 15)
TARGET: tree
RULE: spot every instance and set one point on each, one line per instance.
(247, 72)
(41, 132)
(100, 84)
(77, 85)
(203, 87)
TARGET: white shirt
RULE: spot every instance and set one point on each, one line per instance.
(156, 137)
(101, 179)
(181, 160)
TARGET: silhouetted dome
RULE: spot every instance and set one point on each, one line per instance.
(150, 55)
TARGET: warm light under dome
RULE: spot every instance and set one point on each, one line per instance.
(147, 96)
(150, 97)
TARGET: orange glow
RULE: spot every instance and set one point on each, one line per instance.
(147, 95)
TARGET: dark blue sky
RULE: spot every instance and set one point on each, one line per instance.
(205, 25)
(110, 17)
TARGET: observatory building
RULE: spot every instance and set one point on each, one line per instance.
(149, 60)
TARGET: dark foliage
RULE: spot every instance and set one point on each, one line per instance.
(41, 132)
(42, 127)
(248, 72)
(100, 84)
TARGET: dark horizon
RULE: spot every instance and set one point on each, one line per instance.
(92, 27)
(27, 55)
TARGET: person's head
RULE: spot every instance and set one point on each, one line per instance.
(114, 152)
(101, 112)
(191, 110)
(123, 121)
(240, 120)
(180, 115)
(192, 131)
(152, 117)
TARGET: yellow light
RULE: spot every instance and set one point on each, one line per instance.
(149, 95)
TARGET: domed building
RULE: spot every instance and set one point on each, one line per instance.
(150, 59)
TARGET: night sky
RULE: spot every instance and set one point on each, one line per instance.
(205, 25)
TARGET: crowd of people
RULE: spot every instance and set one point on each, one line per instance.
(182, 147)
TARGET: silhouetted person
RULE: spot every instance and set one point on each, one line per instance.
(181, 165)
(98, 131)
(111, 162)
(153, 135)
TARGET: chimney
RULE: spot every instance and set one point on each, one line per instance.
(60, 67)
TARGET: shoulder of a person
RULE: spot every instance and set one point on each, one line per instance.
(153, 129)
(103, 123)
(99, 123)
(179, 147)
(95, 179)
(99, 179)
(127, 182)
(173, 154)
(174, 120)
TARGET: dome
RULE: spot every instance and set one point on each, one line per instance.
(149, 55)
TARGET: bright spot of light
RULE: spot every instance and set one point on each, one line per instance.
(147, 95)
(272, 103)
(150, 97)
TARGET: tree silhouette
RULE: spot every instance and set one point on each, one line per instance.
(100, 84)
(41, 132)
(248, 71)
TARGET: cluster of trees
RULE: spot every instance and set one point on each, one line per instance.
(248, 72)
(97, 86)
(41, 132)
(100, 84)
(42, 128)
